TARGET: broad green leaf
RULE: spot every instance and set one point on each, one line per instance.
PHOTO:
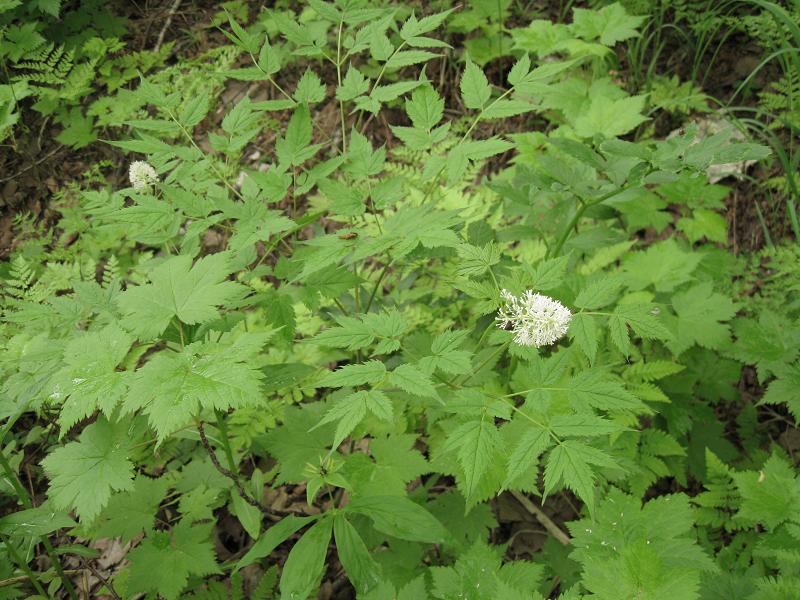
(475, 88)
(173, 387)
(350, 410)
(361, 568)
(310, 89)
(35, 522)
(306, 562)
(179, 289)
(410, 379)
(610, 118)
(84, 474)
(274, 536)
(372, 372)
(569, 463)
(526, 453)
(583, 329)
(425, 108)
(400, 517)
(163, 562)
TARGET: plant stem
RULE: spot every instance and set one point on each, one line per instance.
(377, 284)
(230, 474)
(461, 141)
(211, 164)
(339, 83)
(29, 574)
(28, 504)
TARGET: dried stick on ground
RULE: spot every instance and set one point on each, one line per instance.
(546, 522)
(167, 22)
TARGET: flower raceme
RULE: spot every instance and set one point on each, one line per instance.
(142, 175)
(536, 320)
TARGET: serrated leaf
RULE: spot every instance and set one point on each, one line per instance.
(179, 289)
(598, 294)
(370, 372)
(569, 463)
(583, 329)
(410, 379)
(83, 474)
(526, 453)
(475, 88)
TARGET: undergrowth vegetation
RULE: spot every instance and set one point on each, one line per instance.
(400, 302)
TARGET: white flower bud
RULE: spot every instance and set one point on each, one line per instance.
(536, 320)
(142, 175)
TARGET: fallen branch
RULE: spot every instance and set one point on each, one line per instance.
(173, 9)
(227, 473)
(546, 521)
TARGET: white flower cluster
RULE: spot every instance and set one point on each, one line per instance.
(536, 320)
(142, 175)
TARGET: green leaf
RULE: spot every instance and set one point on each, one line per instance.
(132, 512)
(410, 379)
(89, 378)
(701, 313)
(162, 563)
(173, 387)
(476, 442)
(350, 410)
(249, 516)
(353, 85)
(294, 148)
(195, 109)
(569, 463)
(475, 88)
(179, 289)
(611, 24)
(610, 118)
(583, 329)
(372, 372)
(446, 355)
(769, 496)
(425, 108)
(549, 274)
(35, 522)
(582, 425)
(406, 58)
(785, 390)
(361, 568)
(599, 294)
(310, 89)
(83, 474)
(273, 537)
(590, 388)
(399, 517)
(526, 453)
(475, 261)
(306, 562)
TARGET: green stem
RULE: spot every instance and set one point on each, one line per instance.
(494, 354)
(573, 222)
(28, 504)
(226, 444)
(377, 284)
(462, 140)
(339, 83)
(214, 168)
(24, 566)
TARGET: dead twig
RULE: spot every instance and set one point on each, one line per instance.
(167, 22)
(546, 522)
(227, 473)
